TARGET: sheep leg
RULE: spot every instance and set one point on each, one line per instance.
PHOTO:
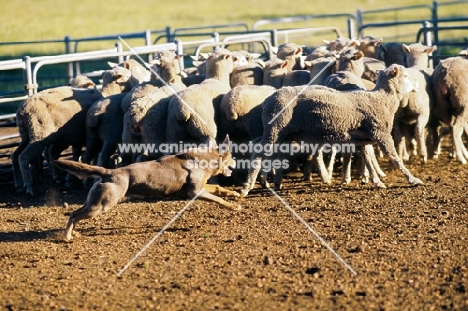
(307, 171)
(346, 168)
(331, 164)
(457, 131)
(93, 145)
(375, 162)
(433, 141)
(255, 166)
(321, 167)
(52, 153)
(370, 167)
(30, 153)
(421, 139)
(388, 147)
(399, 141)
(278, 180)
(15, 161)
(108, 149)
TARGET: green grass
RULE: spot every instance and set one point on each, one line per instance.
(50, 20)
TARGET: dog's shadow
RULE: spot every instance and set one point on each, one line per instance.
(57, 235)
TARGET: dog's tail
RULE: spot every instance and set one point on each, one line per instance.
(81, 170)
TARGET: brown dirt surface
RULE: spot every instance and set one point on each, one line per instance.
(408, 246)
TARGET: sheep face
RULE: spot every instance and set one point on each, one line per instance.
(395, 79)
(166, 66)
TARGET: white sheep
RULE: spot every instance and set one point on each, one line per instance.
(192, 113)
(139, 121)
(449, 83)
(293, 53)
(81, 81)
(392, 53)
(415, 109)
(54, 119)
(317, 114)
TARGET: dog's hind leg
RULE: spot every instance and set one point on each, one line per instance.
(218, 190)
(101, 198)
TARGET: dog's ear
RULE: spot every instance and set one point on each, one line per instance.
(225, 145)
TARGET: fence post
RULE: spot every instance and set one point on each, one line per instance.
(68, 51)
(435, 24)
(351, 28)
(359, 21)
(274, 37)
(180, 51)
(428, 41)
(27, 77)
(120, 58)
(168, 34)
(215, 36)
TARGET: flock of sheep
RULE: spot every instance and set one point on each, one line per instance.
(364, 92)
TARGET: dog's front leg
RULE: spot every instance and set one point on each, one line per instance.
(218, 190)
(207, 196)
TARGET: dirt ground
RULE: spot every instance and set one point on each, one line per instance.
(408, 246)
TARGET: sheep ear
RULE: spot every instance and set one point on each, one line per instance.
(227, 56)
(197, 63)
(463, 53)
(431, 49)
(406, 48)
(225, 146)
(359, 55)
(308, 63)
(261, 63)
(284, 64)
(326, 42)
(178, 57)
(195, 58)
(298, 51)
(274, 50)
(395, 71)
(127, 65)
(112, 65)
(378, 41)
(118, 76)
(255, 55)
(354, 42)
(156, 62)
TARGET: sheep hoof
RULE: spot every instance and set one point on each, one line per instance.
(20, 190)
(29, 190)
(415, 181)
(278, 187)
(345, 181)
(243, 193)
(380, 185)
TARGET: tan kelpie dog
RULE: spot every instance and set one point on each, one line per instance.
(180, 175)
